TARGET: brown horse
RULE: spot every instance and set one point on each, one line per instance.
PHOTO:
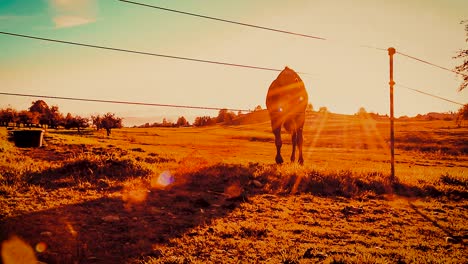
(286, 103)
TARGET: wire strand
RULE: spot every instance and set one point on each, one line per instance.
(428, 94)
(123, 102)
(142, 52)
(246, 24)
(224, 20)
(432, 64)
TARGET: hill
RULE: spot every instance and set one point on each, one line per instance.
(213, 194)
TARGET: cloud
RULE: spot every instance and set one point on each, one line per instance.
(71, 21)
(71, 13)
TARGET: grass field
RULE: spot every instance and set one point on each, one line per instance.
(214, 195)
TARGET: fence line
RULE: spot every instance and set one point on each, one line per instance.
(123, 102)
(428, 94)
(432, 64)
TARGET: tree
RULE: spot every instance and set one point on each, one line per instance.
(110, 121)
(166, 123)
(462, 114)
(225, 116)
(323, 109)
(77, 122)
(362, 111)
(463, 54)
(7, 116)
(309, 108)
(39, 106)
(258, 108)
(182, 122)
(97, 121)
(55, 118)
(42, 109)
(204, 121)
(28, 118)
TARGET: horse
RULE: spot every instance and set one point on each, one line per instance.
(286, 102)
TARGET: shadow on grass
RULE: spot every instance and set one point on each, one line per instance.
(130, 225)
(91, 169)
(451, 237)
(82, 132)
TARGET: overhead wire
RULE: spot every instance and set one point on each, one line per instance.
(282, 31)
(432, 64)
(141, 52)
(224, 20)
(428, 94)
(123, 102)
(211, 61)
(243, 24)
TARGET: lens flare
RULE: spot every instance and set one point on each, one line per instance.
(71, 229)
(164, 179)
(134, 194)
(233, 191)
(41, 247)
(15, 250)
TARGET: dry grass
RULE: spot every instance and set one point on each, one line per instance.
(198, 195)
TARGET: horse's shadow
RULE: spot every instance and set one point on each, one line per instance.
(133, 224)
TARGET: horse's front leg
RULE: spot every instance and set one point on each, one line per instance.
(278, 143)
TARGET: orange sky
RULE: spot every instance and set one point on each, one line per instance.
(341, 75)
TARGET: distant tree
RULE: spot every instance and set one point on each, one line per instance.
(463, 54)
(96, 120)
(258, 108)
(48, 116)
(77, 122)
(361, 112)
(55, 118)
(7, 116)
(166, 123)
(28, 118)
(110, 121)
(323, 109)
(225, 116)
(182, 122)
(309, 108)
(204, 121)
(39, 106)
(462, 114)
(68, 121)
(42, 109)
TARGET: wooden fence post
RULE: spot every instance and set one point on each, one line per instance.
(391, 52)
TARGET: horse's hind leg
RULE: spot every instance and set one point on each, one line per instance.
(300, 141)
(294, 142)
(278, 143)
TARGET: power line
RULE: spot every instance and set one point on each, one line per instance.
(281, 31)
(141, 52)
(243, 24)
(224, 20)
(432, 64)
(428, 94)
(122, 102)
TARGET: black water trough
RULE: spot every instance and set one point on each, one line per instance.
(28, 138)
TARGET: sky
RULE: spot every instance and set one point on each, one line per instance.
(341, 73)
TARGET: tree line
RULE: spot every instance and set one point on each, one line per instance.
(42, 116)
(224, 116)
